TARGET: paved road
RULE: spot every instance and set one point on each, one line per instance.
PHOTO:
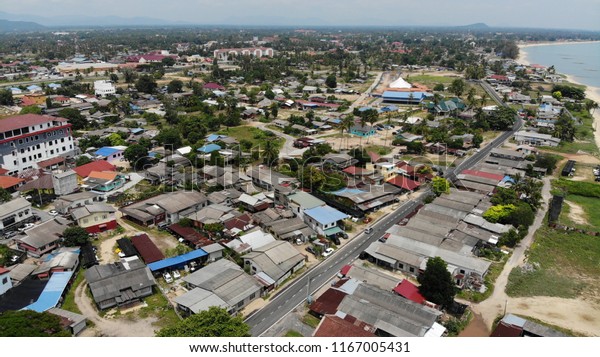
(288, 146)
(296, 293)
(364, 95)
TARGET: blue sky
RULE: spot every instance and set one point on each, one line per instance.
(571, 14)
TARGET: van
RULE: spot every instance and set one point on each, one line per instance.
(368, 230)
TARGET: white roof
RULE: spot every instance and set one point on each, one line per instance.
(257, 239)
(400, 83)
(184, 150)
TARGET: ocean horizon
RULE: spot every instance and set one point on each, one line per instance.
(581, 61)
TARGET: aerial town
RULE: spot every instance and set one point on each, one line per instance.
(300, 182)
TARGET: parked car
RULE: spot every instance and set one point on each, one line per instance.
(168, 278)
(162, 225)
(36, 218)
(335, 240)
(26, 227)
(53, 212)
(10, 234)
(311, 250)
(368, 230)
(176, 274)
(328, 252)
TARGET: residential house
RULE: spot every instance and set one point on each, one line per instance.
(535, 139)
(324, 219)
(66, 203)
(335, 326)
(369, 197)
(111, 153)
(507, 154)
(84, 171)
(411, 98)
(95, 218)
(43, 238)
(290, 229)
(122, 283)
(339, 161)
(103, 181)
(266, 178)
(14, 213)
(256, 203)
(223, 284)
(63, 259)
(73, 321)
(516, 326)
(11, 183)
(277, 261)
(386, 169)
(362, 130)
(168, 207)
(250, 241)
(301, 201)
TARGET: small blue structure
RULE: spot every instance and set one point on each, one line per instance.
(15, 90)
(177, 262)
(52, 292)
(137, 131)
(207, 149)
(215, 137)
(325, 215)
(54, 85)
(106, 151)
(34, 88)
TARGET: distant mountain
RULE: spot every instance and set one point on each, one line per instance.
(18, 26)
(89, 21)
(477, 26)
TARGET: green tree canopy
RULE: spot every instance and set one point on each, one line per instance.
(31, 109)
(28, 323)
(168, 61)
(145, 84)
(440, 185)
(6, 97)
(214, 322)
(82, 160)
(5, 196)
(331, 81)
(457, 87)
(136, 154)
(436, 282)
(175, 86)
(75, 236)
(77, 120)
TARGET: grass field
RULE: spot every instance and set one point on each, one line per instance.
(591, 207)
(429, 79)
(256, 136)
(293, 333)
(69, 302)
(159, 307)
(567, 266)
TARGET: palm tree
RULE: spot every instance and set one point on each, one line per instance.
(347, 123)
(270, 153)
(471, 96)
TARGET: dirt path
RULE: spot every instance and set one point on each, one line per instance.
(575, 314)
(577, 214)
(110, 327)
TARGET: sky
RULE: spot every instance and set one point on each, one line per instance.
(570, 14)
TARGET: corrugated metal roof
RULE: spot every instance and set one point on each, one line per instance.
(52, 292)
(177, 261)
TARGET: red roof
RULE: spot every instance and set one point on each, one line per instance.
(238, 222)
(9, 181)
(507, 330)
(328, 302)
(100, 165)
(3, 171)
(22, 121)
(404, 183)
(345, 269)
(147, 249)
(406, 167)
(353, 170)
(212, 85)
(409, 291)
(3, 270)
(499, 77)
(190, 235)
(334, 326)
(51, 162)
(374, 156)
(483, 174)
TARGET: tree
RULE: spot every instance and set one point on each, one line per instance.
(175, 86)
(136, 154)
(270, 153)
(145, 84)
(116, 140)
(75, 236)
(170, 137)
(436, 282)
(168, 61)
(331, 81)
(129, 75)
(502, 118)
(114, 77)
(29, 323)
(6, 97)
(440, 185)
(457, 87)
(5, 196)
(31, 109)
(438, 87)
(564, 128)
(547, 161)
(77, 120)
(557, 95)
(214, 322)
(82, 160)
(499, 213)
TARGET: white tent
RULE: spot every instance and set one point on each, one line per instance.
(400, 83)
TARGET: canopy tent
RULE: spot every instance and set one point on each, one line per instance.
(400, 83)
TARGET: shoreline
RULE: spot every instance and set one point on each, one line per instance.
(591, 92)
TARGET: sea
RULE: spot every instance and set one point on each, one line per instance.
(579, 60)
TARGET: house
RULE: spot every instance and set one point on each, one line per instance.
(507, 154)
(515, 326)
(250, 241)
(547, 111)
(11, 183)
(148, 251)
(223, 284)
(386, 169)
(238, 225)
(84, 171)
(63, 259)
(256, 203)
(66, 203)
(309, 89)
(168, 207)
(103, 181)
(281, 123)
(339, 161)
(535, 139)
(264, 177)
(404, 183)
(209, 148)
(43, 238)
(301, 201)
(122, 283)
(363, 130)
(277, 261)
(111, 153)
(324, 219)
(64, 182)
(368, 198)
(14, 213)
(73, 321)
(5, 281)
(53, 293)
(290, 229)
(213, 86)
(370, 276)
(409, 291)
(95, 218)
(104, 88)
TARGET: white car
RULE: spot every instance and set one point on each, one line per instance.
(53, 212)
(327, 252)
(168, 278)
(26, 227)
(176, 274)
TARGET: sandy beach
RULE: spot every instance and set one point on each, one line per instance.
(592, 93)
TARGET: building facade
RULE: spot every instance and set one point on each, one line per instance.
(30, 138)
(104, 88)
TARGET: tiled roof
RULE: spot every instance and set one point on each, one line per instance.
(22, 121)
(100, 165)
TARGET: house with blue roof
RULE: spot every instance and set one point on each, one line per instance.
(208, 148)
(215, 137)
(363, 130)
(110, 153)
(34, 88)
(54, 85)
(324, 220)
(413, 98)
(52, 293)
(15, 90)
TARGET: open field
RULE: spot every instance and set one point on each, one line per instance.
(256, 136)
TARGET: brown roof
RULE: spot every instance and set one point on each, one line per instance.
(51, 162)
(147, 249)
(328, 302)
(507, 330)
(334, 326)
(21, 121)
(103, 175)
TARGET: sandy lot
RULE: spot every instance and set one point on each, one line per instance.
(576, 213)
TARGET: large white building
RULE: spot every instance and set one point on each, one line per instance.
(28, 139)
(104, 88)
(224, 53)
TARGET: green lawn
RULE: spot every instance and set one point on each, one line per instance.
(293, 333)
(566, 266)
(159, 307)
(429, 79)
(311, 320)
(254, 135)
(591, 207)
(69, 302)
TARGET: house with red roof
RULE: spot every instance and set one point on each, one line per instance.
(409, 291)
(404, 183)
(84, 171)
(349, 326)
(147, 249)
(213, 86)
(10, 183)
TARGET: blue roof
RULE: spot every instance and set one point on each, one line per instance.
(215, 137)
(177, 261)
(364, 109)
(404, 95)
(33, 86)
(51, 294)
(325, 214)
(389, 108)
(335, 121)
(106, 151)
(152, 154)
(508, 179)
(137, 130)
(345, 190)
(209, 148)
(54, 85)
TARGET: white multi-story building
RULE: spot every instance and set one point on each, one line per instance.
(104, 88)
(224, 53)
(28, 139)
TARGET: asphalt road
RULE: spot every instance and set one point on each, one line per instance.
(296, 293)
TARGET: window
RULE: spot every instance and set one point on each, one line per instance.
(96, 219)
(24, 160)
(462, 271)
(4, 280)
(20, 141)
(412, 270)
(240, 304)
(104, 216)
(400, 265)
(252, 296)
